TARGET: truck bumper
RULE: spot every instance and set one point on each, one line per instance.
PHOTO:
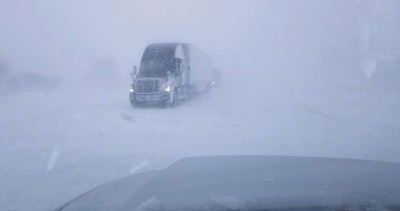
(149, 99)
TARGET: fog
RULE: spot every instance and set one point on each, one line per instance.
(307, 78)
(65, 38)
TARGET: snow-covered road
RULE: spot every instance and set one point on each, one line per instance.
(55, 145)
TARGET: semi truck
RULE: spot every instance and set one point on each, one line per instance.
(169, 74)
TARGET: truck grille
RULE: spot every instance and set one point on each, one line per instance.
(147, 86)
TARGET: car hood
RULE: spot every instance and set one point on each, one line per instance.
(248, 183)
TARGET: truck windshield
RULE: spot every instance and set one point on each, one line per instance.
(155, 68)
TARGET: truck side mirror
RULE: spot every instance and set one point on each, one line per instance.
(178, 65)
(178, 62)
(134, 72)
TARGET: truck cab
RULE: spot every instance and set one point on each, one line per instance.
(165, 76)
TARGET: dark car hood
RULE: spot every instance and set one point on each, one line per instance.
(251, 182)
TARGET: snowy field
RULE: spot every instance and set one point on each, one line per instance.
(55, 145)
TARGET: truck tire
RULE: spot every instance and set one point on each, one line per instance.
(133, 103)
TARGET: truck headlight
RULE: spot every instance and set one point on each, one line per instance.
(131, 90)
(168, 88)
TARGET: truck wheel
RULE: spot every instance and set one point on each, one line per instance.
(133, 101)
